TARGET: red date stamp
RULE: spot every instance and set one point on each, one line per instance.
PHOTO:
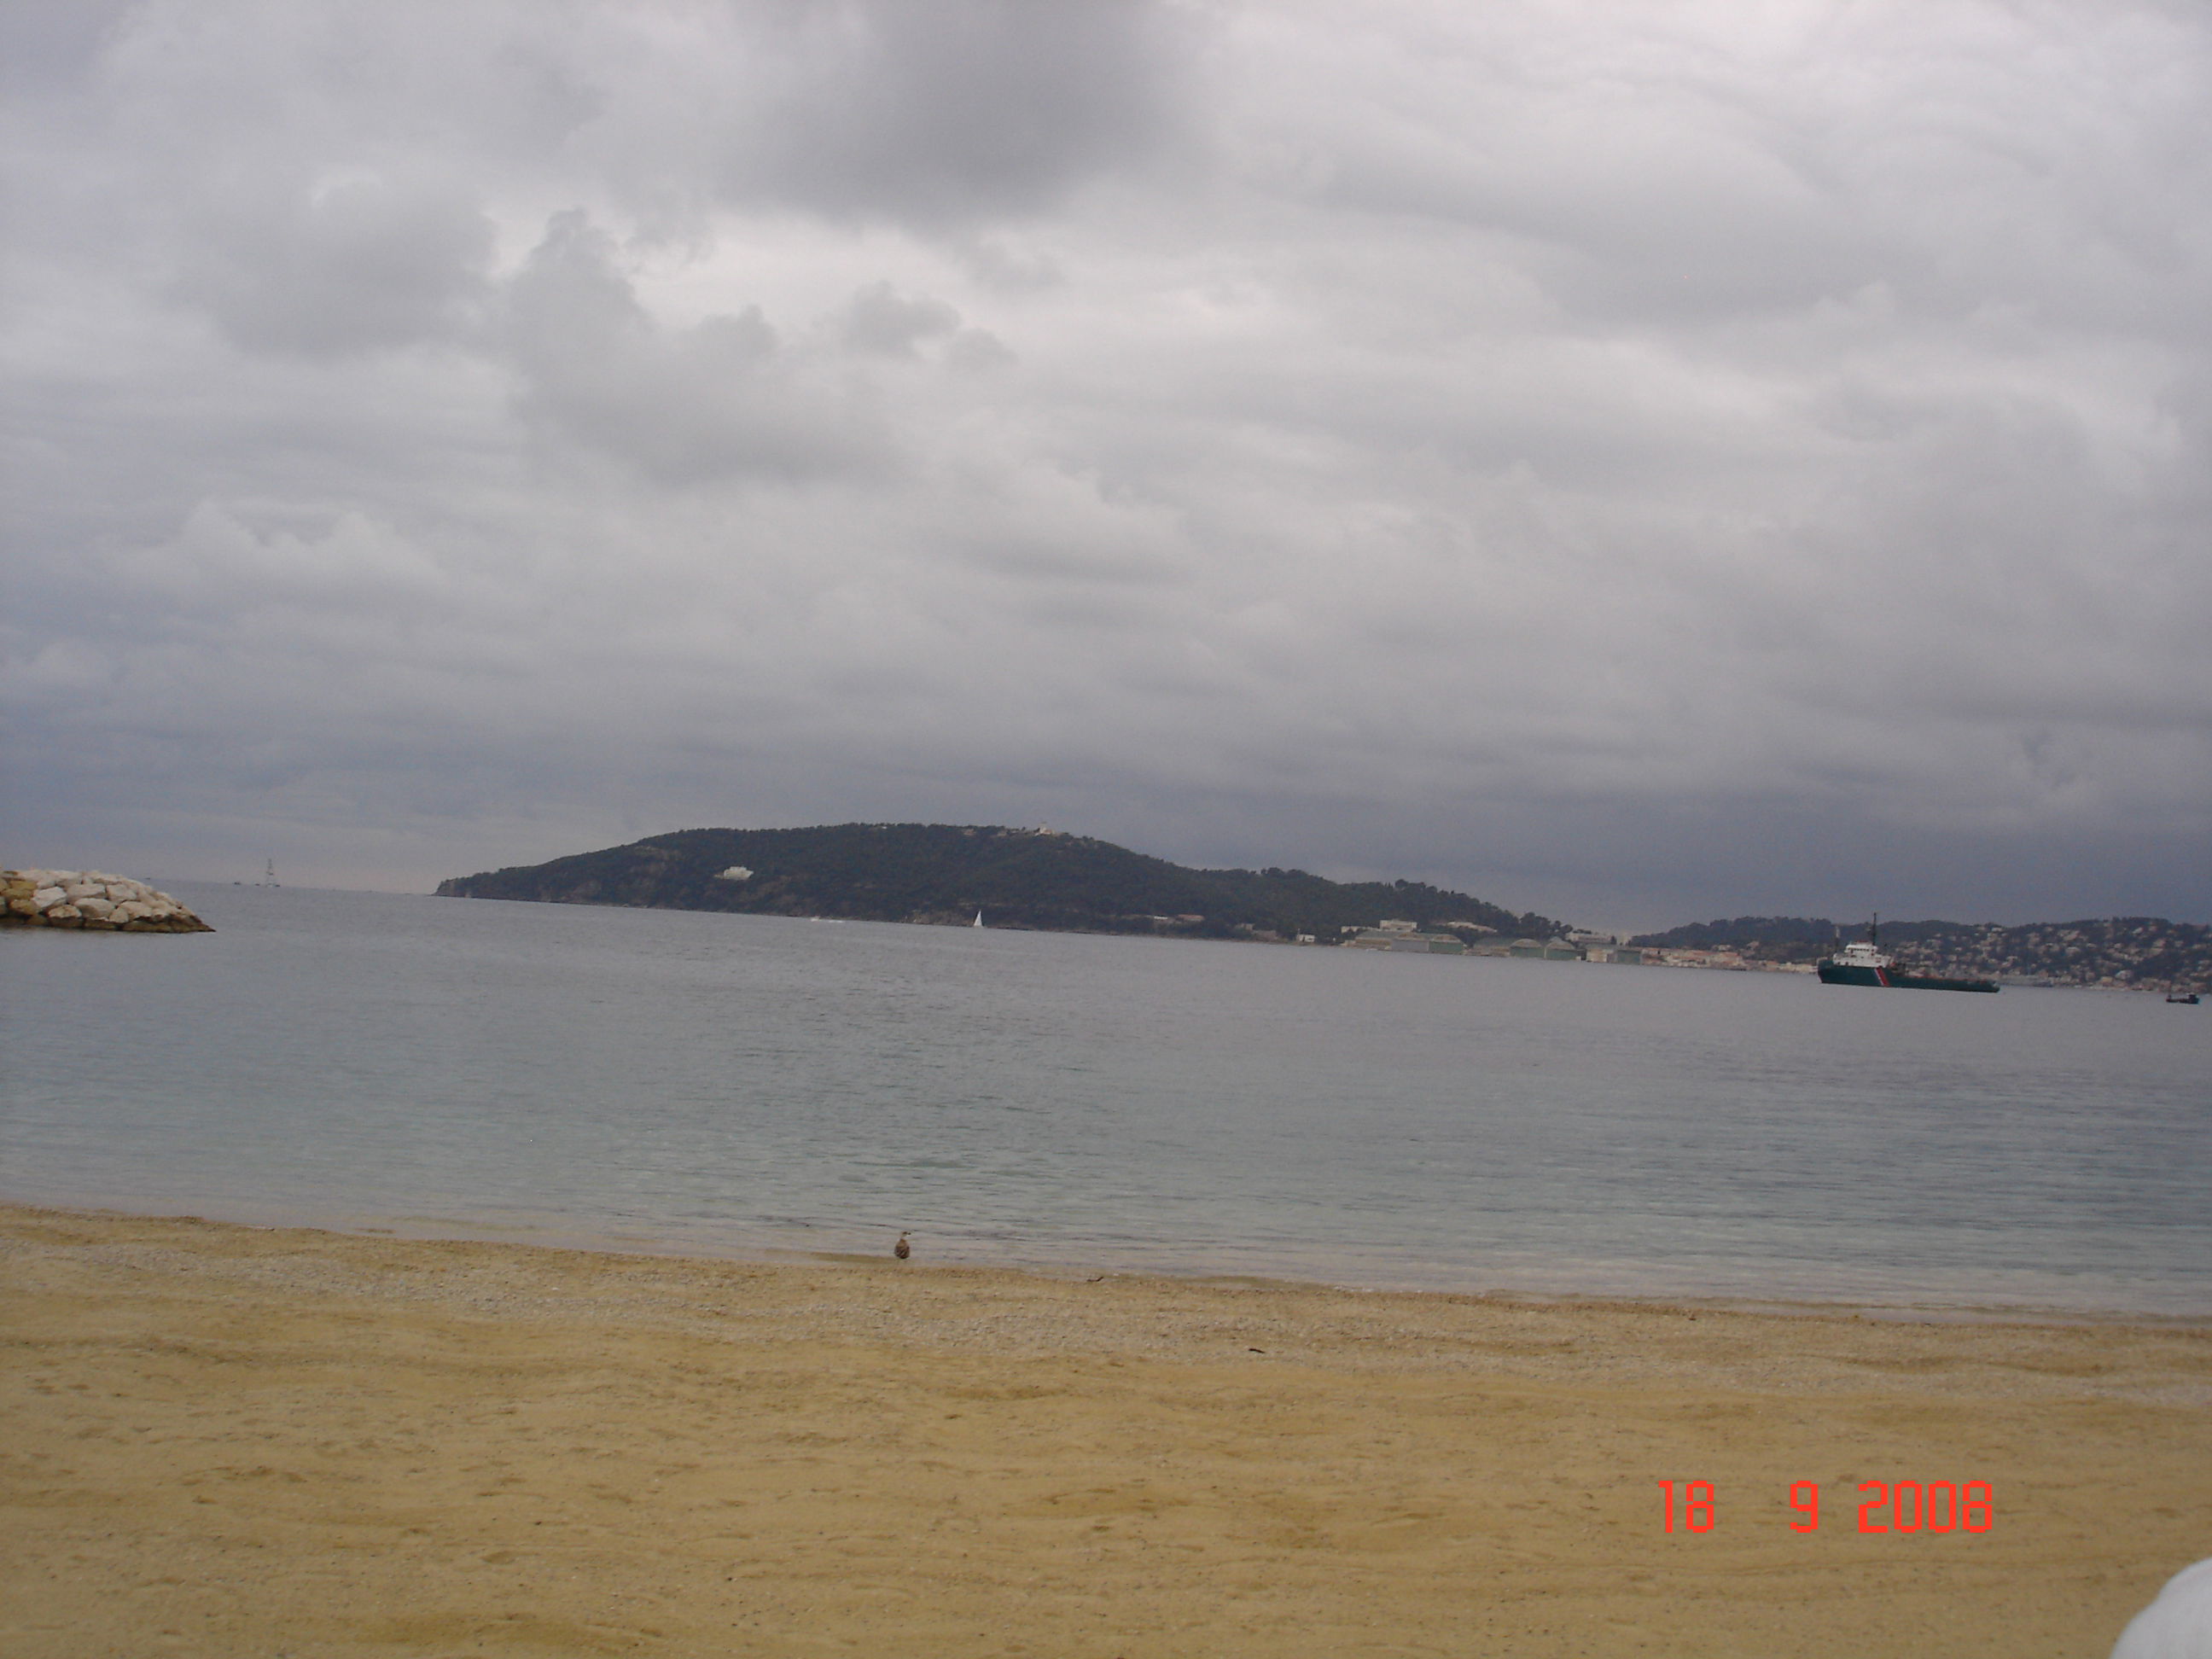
(1885, 1506)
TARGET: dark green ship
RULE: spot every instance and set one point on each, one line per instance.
(1862, 962)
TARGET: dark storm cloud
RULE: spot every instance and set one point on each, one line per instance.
(1635, 464)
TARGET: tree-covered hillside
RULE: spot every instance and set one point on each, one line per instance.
(944, 874)
(1779, 939)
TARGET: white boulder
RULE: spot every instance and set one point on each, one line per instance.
(90, 899)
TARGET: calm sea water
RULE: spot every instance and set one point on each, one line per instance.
(731, 1084)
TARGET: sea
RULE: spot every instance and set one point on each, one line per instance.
(749, 1087)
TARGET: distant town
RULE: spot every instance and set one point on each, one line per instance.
(2123, 953)
(2116, 953)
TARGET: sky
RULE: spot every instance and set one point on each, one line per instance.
(1639, 462)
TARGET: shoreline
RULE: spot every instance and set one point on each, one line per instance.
(632, 1256)
(231, 1438)
(766, 1243)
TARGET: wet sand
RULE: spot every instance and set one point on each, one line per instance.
(223, 1440)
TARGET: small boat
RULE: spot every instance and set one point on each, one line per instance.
(1863, 963)
(2186, 999)
(978, 922)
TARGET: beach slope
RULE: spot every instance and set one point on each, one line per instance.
(223, 1440)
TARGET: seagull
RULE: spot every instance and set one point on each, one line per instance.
(902, 1249)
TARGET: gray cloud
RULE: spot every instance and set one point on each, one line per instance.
(723, 396)
(1632, 469)
(346, 264)
(881, 319)
(47, 47)
(948, 109)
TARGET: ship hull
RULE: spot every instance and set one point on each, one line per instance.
(1838, 973)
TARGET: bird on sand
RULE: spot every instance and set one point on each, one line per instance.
(902, 1249)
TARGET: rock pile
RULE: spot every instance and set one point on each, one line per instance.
(90, 899)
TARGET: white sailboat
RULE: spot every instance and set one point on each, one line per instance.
(978, 922)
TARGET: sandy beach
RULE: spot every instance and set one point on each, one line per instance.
(225, 1440)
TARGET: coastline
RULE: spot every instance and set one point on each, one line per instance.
(1527, 1279)
(234, 1438)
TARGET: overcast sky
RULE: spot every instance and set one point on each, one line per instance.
(1638, 461)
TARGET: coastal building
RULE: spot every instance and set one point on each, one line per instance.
(1544, 950)
(1603, 947)
(1730, 961)
(1387, 937)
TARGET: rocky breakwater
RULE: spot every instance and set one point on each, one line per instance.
(92, 901)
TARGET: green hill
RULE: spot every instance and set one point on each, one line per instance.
(944, 874)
